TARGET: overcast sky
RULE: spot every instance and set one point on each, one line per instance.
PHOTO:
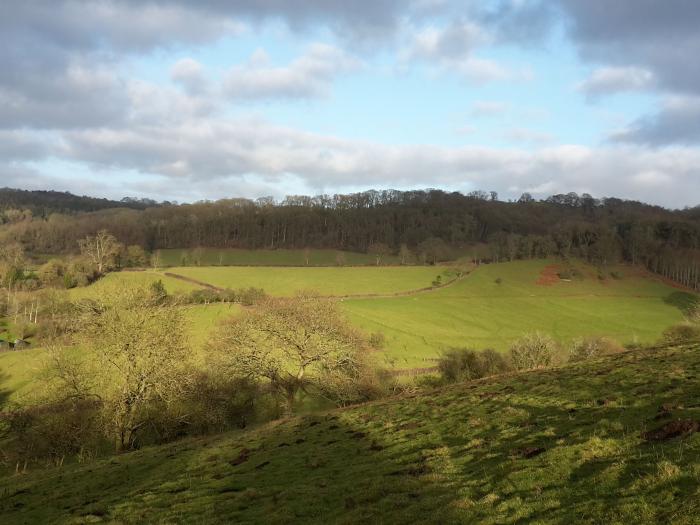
(184, 100)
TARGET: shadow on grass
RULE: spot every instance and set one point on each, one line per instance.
(686, 302)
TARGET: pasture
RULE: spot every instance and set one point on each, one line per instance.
(498, 303)
(381, 280)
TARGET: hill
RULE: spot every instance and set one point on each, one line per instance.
(607, 441)
(43, 203)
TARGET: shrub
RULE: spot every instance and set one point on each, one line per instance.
(462, 364)
(534, 350)
(52, 431)
(210, 403)
(682, 333)
(592, 347)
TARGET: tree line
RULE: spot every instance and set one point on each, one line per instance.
(429, 222)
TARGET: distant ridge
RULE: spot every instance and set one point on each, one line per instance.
(42, 202)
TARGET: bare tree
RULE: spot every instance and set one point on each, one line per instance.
(101, 250)
(136, 359)
(379, 250)
(291, 343)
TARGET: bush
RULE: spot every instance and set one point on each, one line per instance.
(534, 350)
(682, 333)
(52, 431)
(592, 347)
(462, 364)
(210, 403)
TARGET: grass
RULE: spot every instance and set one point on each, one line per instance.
(552, 446)
(336, 281)
(238, 257)
(479, 312)
(112, 281)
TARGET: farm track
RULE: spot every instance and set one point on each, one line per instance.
(193, 281)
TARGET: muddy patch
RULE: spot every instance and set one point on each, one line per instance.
(672, 429)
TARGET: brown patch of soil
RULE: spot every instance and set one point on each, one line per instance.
(681, 427)
(528, 452)
(549, 275)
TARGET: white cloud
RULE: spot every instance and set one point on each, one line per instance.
(609, 80)
(309, 76)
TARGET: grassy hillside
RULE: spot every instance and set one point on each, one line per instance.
(598, 442)
(479, 311)
(327, 281)
(236, 257)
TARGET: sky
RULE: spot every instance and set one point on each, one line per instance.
(184, 101)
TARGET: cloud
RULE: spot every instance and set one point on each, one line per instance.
(200, 155)
(190, 74)
(17, 145)
(453, 42)
(677, 122)
(610, 80)
(450, 49)
(309, 76)
(646, 43)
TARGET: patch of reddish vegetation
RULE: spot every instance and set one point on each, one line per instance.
(549, 275)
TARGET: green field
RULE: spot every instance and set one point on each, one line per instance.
(327, 281)
(478, 312)
(236, 257)
(116, 280)
(557, 446)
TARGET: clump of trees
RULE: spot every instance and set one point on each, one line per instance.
(463, 364)
(125, 376)
(295, 347)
